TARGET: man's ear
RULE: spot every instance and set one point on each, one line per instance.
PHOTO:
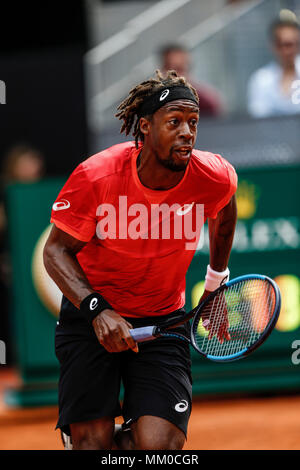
(145, 125)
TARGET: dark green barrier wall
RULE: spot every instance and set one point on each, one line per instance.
(267, 241)
(33, 324)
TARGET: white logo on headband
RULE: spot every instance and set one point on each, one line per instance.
(164, 95)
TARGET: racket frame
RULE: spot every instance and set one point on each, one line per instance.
(246, 351)
(152, 332)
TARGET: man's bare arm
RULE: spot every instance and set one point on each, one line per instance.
(221, 233)
(63, 267)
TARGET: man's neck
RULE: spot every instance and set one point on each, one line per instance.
(153, 175)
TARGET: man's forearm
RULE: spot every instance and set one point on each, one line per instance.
(221, 233)
(67, 273)
(63, 267)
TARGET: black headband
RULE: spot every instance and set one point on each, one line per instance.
(163, 96)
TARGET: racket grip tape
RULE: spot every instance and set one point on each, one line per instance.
(144, 333)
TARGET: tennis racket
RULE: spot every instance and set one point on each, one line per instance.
(230, 323)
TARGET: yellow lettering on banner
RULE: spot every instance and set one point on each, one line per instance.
(196, 293)
(289, 318)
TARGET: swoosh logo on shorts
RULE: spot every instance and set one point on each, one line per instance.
(60, 205)
(184, 209)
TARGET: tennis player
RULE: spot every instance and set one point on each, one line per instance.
(121, 266)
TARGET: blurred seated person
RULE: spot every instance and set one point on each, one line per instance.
(23, 164)
(270, 88)
(177, 57)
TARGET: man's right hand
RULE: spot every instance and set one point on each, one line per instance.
(112, 332)
(219, 326)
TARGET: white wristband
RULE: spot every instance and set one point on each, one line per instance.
(215, 279)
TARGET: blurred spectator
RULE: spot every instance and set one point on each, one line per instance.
(177, 57)
(270, 89)
(22, 164)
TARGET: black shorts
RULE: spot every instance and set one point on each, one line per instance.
(156, 381)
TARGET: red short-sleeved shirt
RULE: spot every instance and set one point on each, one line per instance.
(140, 242)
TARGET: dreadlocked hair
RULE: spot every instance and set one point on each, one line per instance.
(129, 108)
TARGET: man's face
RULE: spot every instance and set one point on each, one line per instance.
(286, 44)
(172, 133)
(178, 61)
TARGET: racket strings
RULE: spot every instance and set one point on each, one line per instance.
(243, 309)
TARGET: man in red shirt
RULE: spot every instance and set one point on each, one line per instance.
(126, 226)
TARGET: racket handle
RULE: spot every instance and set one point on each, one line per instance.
(144, 333)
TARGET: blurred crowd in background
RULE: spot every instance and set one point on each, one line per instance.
(22, 164)
(270, 90)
